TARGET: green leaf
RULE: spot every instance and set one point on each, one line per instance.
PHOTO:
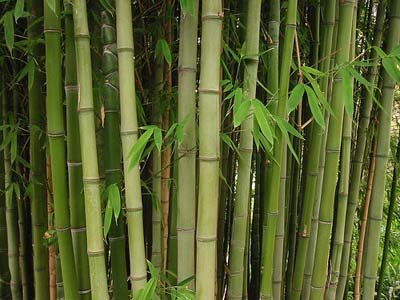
(14, 147)
(228, 87)
(359, 78)
(148, 292)
(261, 113)
(153, 271)
(238, 92)
(282, 128)
(107, 220)
(187, 6)
(179, 132)
(186, 281)
(241, 113)
(17, 191)
(52, 5)
(319, 93)
(289, 128)
(8, 24)
(314, 107)
(295, 97)
(392, 68)
(348, 93)
(114, 198)
(312, 71)
(380, 52)
(158, 138)
(162, 48)
(28, 69)
(19, 9)
(227, 140)
(138, 148)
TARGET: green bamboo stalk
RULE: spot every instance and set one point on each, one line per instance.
(113, 152)
(332, 154)
(37, 160)
(308, 269)
(359, 152)
(74, 161)
(343, 192)
(279, 253)
(186, 206)
(56, 132)
(59, 279)
(90, 171)
(156, 167)
(11, 215)
(389, 221)
(321, 169)
(129, 134)
(341, 208)
(312, 165)
(209, 128)
(273, 182)
(382, 151)
(4, 270)
(240, 212)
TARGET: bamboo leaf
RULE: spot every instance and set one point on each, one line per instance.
(153, 271)
(261, 114)
(348, 93)
(314, 107)
(14, 146)
(17, 191)
(8, 24)
(391, 67)
(19, 9)
(295, 97)
(319, 93)
(162, 49)
(289, 128)
(241, 113)
(138, 148)
(158, 138)
(52, 5)
(115, 200)
(311, 70)
(285, 134)
(107, 220)
(238, 93)
(187, 6)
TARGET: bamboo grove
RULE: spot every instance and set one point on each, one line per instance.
(214, 149)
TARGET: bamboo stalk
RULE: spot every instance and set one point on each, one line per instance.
(332, 154)
(90, 170)
(360, 151)
(56, 132)
(312, 165)
(273, 180)
(343, 192)
(240, 211)
(156, 168)
(209, 150)
(186, 207)
(389, 221)
(74, 161)
(382, 151)
(129, 135)
(11, 213)
(38, 162)
(4, 270)
(50, 226)
(113, 152)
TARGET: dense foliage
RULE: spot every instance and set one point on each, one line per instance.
(189, 149)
